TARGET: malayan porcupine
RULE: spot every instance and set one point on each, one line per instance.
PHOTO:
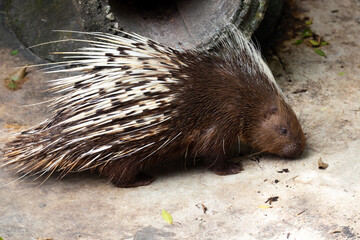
(137, 103)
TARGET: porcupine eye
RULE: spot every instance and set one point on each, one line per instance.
(283, 130)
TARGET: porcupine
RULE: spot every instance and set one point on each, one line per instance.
(136, 103)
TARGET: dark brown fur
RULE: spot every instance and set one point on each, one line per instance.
(217, 102)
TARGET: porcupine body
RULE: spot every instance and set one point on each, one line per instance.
(137, 103)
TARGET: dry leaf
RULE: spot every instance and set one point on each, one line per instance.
(204, 207)
(16, 79)
(319, 52)
(270, 200)
(322, 165)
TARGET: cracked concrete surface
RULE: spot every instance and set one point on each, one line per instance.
(312, 204)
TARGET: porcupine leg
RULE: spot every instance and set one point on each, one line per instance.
(127, 176)
(222, 167)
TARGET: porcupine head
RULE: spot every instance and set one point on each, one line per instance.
(134, 103)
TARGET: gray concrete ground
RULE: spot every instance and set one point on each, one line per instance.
(312, 203)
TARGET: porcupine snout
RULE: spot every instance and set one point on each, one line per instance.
(294, 150)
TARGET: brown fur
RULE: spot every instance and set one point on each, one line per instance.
(217, 102)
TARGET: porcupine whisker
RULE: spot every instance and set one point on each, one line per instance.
(257, 153)
(223, 145)
(185, 157)
(195, 158)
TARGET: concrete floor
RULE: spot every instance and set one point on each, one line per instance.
(312, 203)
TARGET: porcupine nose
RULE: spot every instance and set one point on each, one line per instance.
(294, 150)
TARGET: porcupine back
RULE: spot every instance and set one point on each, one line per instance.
(113, 109)
(135, 102)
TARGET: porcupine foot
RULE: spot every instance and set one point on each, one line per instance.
(227, 168)
(140, 180)
(125, 175)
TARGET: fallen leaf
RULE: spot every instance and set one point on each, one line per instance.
(308, 22)
(341, 73)
(322, 165)
(297, 42)
(12, 85)
(14, 52)
(314, 43)
(307, 33)
(167, 217)
(204, 207)
(16, 79)
(324, 43)
(319, 52)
